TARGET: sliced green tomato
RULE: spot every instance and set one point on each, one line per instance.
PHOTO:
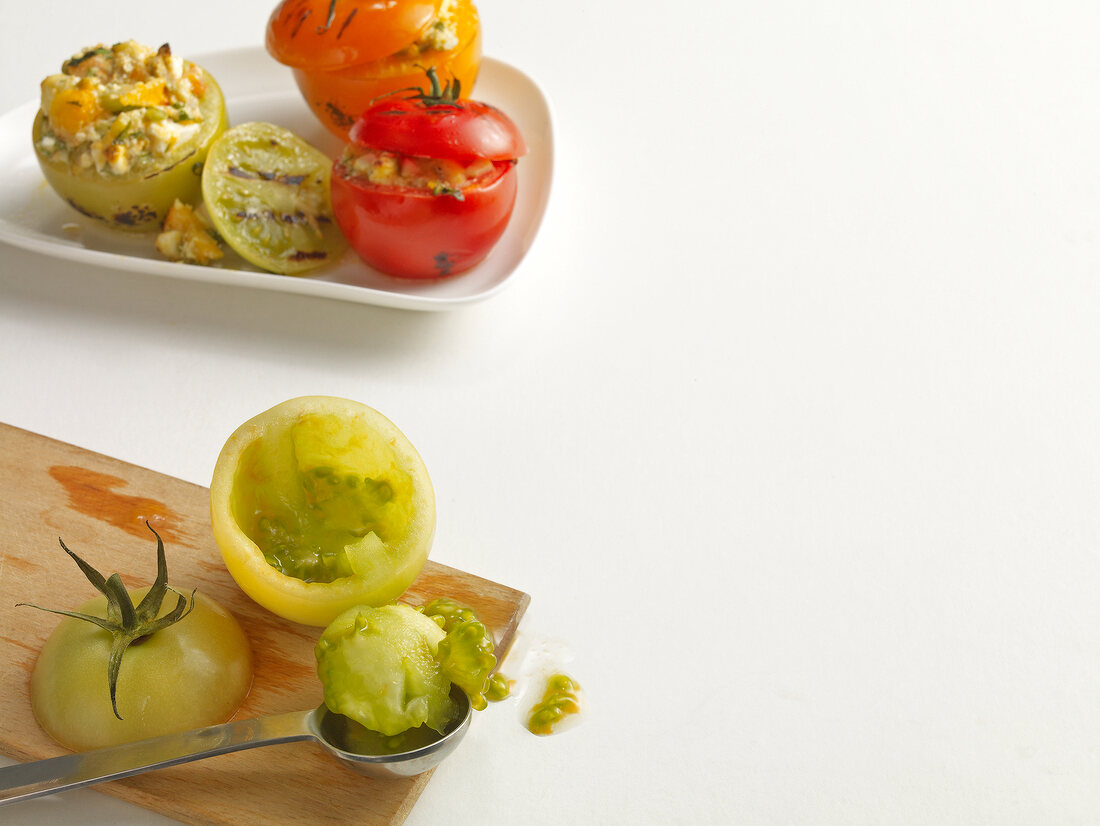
(267, 192)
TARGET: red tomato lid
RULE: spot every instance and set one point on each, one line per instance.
(327, 35)
(430, 127)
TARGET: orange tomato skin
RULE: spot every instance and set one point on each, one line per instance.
(338, 96)
(328, 35)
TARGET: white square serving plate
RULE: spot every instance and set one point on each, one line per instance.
(257, 88)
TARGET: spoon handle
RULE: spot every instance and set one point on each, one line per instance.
(26, 780)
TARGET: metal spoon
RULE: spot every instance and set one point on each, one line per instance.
(41, 777)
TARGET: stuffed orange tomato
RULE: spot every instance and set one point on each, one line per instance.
(428, 183)
(346, 53)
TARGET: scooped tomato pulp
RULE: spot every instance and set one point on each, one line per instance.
(428, 183)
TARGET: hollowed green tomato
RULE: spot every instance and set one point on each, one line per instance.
(321, 504)
(191, 674)
(139, 200)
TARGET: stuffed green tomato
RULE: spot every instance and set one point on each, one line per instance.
(123, 131)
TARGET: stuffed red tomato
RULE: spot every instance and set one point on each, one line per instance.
(427, 185)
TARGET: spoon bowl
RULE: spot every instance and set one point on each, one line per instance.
(366, 752)
(411, 753)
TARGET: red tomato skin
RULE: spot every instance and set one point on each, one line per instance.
(464, 131)
(412, 233)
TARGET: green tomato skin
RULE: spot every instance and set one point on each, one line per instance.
(191, 674)
(378, 666)
(138, 201)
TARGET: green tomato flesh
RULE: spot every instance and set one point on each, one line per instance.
(378, 666)
(499, 688)
(448, 612)
(466, 654)
(267, 192)
(191, 674)
(324, 501)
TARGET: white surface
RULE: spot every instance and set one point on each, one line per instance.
(256, 87)
(790, 427)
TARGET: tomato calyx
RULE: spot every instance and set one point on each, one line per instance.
(437, 96)
(437, 122)
(126, 623)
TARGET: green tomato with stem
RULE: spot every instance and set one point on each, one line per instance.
(129, 665)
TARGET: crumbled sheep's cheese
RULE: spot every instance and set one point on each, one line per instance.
(165, 135)
(118, 159)
(441, 35)
(186, 237)
(120, 108)
(440, 175)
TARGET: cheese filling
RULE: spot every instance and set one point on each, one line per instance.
(121, 109)
(440, 176)
(441, 35)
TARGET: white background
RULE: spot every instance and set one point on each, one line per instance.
(789, 424)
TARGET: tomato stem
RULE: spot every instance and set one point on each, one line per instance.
(446, 96)
(126, 623)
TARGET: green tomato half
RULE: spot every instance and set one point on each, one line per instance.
(139, 200)
(321, 504)
(191, 674)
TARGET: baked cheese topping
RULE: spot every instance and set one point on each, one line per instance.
(186, 236)
(442, 34)
(439, 175)
(121, 109)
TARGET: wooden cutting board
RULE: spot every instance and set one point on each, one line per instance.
(99, 505)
